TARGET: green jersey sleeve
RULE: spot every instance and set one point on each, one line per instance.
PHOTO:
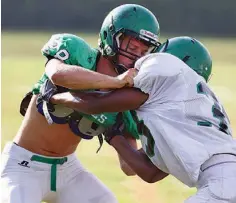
(71, 50)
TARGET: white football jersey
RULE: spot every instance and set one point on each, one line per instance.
(186, 122)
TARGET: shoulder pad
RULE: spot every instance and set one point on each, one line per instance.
(71, 49)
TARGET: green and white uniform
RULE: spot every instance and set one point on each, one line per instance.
(186, 126)
(25, 179)
(75, 51)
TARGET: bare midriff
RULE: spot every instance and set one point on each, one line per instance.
(37, 136)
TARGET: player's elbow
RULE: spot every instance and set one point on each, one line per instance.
(54, 71)
(128, 171)
(59, 78)
(56, 78)
(149, 179)
(153, 176)
(146, 175)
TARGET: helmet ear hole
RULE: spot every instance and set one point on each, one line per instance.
(105, 34)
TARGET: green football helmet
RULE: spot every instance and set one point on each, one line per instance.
(192, 52)
(128, 19)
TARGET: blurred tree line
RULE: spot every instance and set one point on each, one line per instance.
(200, 17)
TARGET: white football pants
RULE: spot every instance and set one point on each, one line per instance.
(217, 181)
(30, 178)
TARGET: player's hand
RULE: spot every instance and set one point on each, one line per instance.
(47, 91)
(115, 130)
(127, 77)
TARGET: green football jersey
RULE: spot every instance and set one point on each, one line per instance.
(74, 50)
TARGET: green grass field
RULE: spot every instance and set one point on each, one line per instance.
(22, 65)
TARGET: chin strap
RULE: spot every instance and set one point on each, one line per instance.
(120, 68)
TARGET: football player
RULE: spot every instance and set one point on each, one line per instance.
(184, 128)
(41, 164)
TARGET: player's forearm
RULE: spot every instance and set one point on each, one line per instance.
(140, 163)
(68, 100)
(159, 176)
(93, 105)
(124, 166)
(116, 101)
(76, 77)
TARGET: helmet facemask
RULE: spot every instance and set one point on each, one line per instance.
(118, 38)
